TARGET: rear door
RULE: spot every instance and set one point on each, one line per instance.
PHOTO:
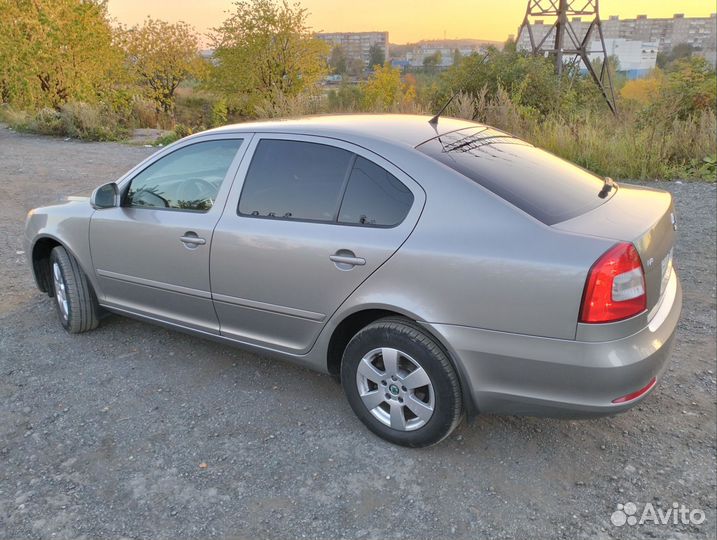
(312, 219)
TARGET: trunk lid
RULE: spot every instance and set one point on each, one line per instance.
(639, 215)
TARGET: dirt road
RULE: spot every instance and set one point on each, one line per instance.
(138, 432)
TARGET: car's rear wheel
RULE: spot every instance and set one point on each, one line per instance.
(400, 383)
(75, 300)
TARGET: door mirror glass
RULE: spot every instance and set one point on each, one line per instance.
(106, 196)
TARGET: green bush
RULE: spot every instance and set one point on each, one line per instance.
(75, 119)
(180, 131)
(199, 109)
(219, 113)
(347, 98)
(14, 118)
(48, 122)
(90, 122)
(144, 113)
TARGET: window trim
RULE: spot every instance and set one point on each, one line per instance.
(125, 183)
(344, 186)
(330, 142)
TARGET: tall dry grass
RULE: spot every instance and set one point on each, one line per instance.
(634, 145)
(627, 146)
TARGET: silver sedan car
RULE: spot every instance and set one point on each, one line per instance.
(438, 268)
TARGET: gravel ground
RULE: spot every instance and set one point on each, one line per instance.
(139, 432)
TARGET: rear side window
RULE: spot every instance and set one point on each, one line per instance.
(539, 183)
(316, 182)
(295, 180)
(374, 197)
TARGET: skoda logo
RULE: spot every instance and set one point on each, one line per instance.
(393, 389)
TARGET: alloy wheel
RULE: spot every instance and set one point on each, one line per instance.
(395, 389)
(60, 291)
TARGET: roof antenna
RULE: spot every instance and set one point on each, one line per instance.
(433, 121)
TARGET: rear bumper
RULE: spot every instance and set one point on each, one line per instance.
(527, 375)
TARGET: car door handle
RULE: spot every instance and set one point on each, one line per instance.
(347, 260)
(192, 239)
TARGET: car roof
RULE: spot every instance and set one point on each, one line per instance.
(407, 129)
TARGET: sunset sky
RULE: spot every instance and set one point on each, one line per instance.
(405, 20)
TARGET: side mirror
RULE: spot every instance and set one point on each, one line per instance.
(106, 196)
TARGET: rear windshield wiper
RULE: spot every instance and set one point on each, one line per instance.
(607, 187)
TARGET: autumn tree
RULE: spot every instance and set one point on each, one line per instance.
(644, 91)
(376, 56)
(55, 51)
(432, 61)
(338, 60)
(384, 90)
(162, 55)
(691, 83)
(265, 53)
(355, 67)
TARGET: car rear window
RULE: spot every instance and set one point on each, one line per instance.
(539, 183)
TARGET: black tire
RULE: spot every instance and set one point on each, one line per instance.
(416, 347)
(82, 307)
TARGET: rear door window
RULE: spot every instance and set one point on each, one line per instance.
(542, 185)
(295, 180)
(308, 181)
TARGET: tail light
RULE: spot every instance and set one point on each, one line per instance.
(615, 288)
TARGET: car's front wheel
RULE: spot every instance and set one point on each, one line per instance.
(75, 300)
(400, 383)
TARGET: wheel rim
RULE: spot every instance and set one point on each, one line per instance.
(60, 291)
(395, 389)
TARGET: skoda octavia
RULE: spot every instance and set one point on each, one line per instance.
(438, 268)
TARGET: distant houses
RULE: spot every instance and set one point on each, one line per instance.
(637, 42)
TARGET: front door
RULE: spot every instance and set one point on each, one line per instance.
(151, 255)
(311, 221)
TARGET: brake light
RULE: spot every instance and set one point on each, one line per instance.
(615, 288)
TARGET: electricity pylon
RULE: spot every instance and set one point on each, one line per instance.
(564, 40)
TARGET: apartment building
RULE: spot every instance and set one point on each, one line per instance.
(356, 45)
(446, 54)
(700, 32)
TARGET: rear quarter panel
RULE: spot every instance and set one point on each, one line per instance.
(474, 260)
(636, 214)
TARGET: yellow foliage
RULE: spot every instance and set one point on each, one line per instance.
(384, 90)
(644, 91)
(53, 51)
(266, 55)
(161, 55)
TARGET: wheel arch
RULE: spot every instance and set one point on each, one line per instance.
(351, 323)
(41, 249)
